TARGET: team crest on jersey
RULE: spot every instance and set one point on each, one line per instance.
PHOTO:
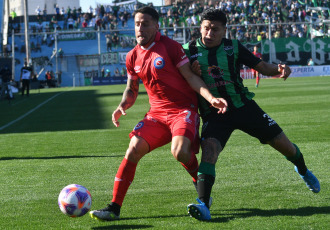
(215, 72)
(229, 50)
(159, 63)
(137, 69)
(139, 125)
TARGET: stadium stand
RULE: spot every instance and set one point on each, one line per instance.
(78, 36)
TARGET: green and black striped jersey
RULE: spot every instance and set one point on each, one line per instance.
(220, 68)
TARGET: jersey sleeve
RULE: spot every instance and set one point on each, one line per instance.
(246, 57)
(131, 74)
(176, 53)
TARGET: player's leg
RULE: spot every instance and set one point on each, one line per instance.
(23, 87)
(138, 147)
(181, 150)
(27, 88)
(184, 126)
(259, 124)
(147, 135)
(257, 79)
(293, 154)
(216, 132)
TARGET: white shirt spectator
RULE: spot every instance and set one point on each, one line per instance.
(108, 9)
(189, 21)
(62, 11)
(194, 20)
(70, 21)
(90, 10)
(38, 11)
(245, 3)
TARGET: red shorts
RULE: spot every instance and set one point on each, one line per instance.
(158, 128)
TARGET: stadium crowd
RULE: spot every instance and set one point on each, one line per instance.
(243, 15)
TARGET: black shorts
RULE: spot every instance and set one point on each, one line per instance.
(250, 119)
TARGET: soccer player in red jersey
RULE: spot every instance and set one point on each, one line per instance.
(171, 85)
(254, 72)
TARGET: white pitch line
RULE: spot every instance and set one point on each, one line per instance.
(31, 111)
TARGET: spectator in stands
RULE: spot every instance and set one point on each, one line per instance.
(103, 72)
(52, 40)
(117, 73)
(38, 47)
(108, 73)
(70, 23)
(60, 52)
(62, 12)
(57, 12)
(105, 21)
(115, 40)
(98, 23)
(53, 23)
(38, 11)
(84, 24)
(108, 40)
(123, 72)
(310, 62)
(48, 78)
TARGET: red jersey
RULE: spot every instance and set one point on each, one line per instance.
(157, 67)
(258, 55)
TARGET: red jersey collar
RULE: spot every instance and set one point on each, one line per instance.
(157, 38)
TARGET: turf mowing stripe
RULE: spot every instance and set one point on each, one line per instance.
(29, 112)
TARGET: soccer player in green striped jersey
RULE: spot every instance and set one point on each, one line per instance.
(217, 60)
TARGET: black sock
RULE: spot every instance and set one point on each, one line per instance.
(115, 208)
(298, 160)
(195, 184)
(204, 185)
(301, 166)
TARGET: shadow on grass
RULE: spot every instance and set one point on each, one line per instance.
(59, 111)
(51, 158)
(125, 226)
(252, 212)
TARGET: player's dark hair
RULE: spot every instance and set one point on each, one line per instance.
(214, 15)
(148, 10)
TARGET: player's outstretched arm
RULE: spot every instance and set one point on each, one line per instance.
(197, 84)
(272, 70)
(129, 96)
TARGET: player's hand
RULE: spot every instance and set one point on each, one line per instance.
(117, 114)
(220, 104)
(196, 68)
(284, 70)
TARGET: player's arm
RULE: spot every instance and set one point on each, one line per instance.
(272, 70)
(247, 58)
(129, 97)
(197, 84)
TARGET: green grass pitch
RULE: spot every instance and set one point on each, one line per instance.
(62, 136)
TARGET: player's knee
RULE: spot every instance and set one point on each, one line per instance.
(180, 154)
(211, 149)
(136, 150)
(133, 154)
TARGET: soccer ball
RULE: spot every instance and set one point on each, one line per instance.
(75, 200)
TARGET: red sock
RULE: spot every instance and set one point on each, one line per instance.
(258, 80)
(192, 166)
(123, 180)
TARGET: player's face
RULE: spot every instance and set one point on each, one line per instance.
(145, 29)
(255, 49)
(212, 33)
